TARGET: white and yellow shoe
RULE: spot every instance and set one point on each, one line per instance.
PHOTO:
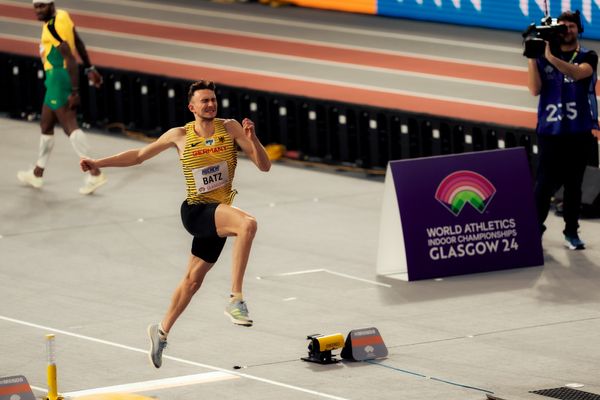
(237, 311)
(92, 183)
(28, 178)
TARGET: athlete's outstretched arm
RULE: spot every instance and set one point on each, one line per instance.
(134, 156)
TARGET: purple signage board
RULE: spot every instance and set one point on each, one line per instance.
(459, 214)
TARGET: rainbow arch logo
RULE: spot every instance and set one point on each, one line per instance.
(462, 187)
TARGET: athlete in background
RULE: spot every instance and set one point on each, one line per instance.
(58, 44)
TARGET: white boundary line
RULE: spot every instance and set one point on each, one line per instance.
(312, 271)
(156, 384)
(358, 279)
(39, 389)
(176, 359)
(299, 78)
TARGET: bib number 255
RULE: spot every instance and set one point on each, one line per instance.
(556, 112)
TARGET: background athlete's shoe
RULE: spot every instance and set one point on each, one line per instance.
(574, 243)
(92, 183)
(237, 311)
(157, 345)
(30, 179)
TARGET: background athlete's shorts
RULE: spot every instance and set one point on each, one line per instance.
(199, 220)
(58, 88)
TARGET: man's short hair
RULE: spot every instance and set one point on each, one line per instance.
(200, 85)
(571, 16)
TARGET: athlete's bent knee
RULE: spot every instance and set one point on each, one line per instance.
(249, 227)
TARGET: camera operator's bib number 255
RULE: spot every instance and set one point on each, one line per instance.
(556, 111)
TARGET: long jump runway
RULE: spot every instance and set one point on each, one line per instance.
(96, 270)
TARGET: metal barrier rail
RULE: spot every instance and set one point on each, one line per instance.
(316, 130)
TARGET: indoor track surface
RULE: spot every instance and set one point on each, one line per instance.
(96, 270)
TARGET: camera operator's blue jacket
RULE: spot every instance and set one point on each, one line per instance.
(566, 106)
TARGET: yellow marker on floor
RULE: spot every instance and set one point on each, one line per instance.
(51, 370)
(320, 347)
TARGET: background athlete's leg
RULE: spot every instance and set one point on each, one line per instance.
(68, 119)
(46, 140)
(33, 177)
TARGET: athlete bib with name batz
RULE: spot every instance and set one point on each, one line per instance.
(211, 177)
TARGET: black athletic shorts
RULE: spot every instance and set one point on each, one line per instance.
(199, 220)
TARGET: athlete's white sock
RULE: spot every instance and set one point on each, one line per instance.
(46, 146)
(236, 296)
(80, 143)
(161, 332)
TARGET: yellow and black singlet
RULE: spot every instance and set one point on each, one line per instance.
(209, 165)
(59, 29)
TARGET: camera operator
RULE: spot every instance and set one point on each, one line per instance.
(567, 113)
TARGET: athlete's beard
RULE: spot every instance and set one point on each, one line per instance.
(44, 17)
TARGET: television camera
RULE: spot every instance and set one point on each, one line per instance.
(550, 30)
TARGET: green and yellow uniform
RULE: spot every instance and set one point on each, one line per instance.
(209, 165)
(58, 82)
